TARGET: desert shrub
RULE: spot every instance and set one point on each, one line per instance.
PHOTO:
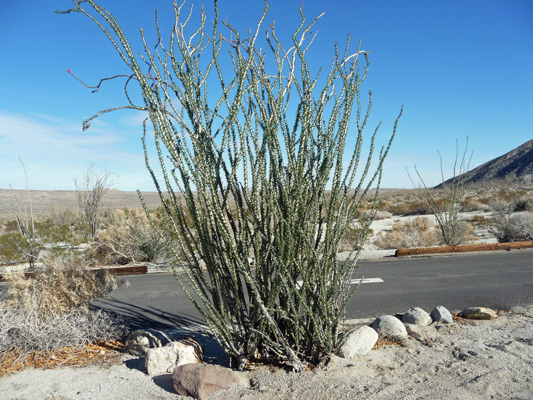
(23, 330)
(59, 287)
(380, 214)
(14, 248)
(416, 233)
(352, 237)
(47, 232)
(417, 207)
(10, 226)
(509, 227)
(469, 234)
(48, 238)
(51, 310)
(130, 237)
(523, 204)
(474, 203)
(406, 206)
(60, 217)
(506, 201)
(510, 195)
(242, 150)
(485, 200)
(480, 220)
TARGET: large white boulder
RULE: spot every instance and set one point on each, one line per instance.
(389, 325)
(162, 360)
(416, 316)
(359, 342)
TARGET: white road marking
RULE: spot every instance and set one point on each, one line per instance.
(352, 282)
(367, 280)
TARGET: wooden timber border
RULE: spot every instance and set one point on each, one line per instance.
(137, 270)
(463, 249)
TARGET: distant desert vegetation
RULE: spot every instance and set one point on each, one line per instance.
(45, 201)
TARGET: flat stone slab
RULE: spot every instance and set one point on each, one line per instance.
(479, 313)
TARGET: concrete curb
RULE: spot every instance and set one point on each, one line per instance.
(463, 249)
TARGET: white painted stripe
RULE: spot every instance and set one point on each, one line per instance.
(352, 282)
(367, 280)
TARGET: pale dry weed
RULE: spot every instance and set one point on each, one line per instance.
(51, 310)
(416, 233)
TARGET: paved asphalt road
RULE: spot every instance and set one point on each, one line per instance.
(491, 279)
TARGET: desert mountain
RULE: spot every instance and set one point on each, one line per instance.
(516, 164)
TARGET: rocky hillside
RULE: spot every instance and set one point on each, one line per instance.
(516, 164)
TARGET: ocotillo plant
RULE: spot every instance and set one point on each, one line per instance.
(30, 246)
(446, 210)
(259, 191)
(90, 192)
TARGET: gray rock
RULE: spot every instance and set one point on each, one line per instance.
(416, 316)
(359, 342)
(139, 341)
(201, 380)
(388, 325)
(416, 331)
(478, 313)
(427, 335)
(162, 360)
(441, 314)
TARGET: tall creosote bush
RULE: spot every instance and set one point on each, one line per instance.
(251, 151)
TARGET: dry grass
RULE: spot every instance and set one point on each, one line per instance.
(57, 289)
(351, 238)
(419, 232)
(416, 233)
(101, 353)
(43, 315)
(129, 237)
(389, 341)
(27, 332)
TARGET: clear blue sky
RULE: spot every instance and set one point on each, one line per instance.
(459, 68)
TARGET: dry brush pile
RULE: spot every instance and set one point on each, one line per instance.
(49, 313)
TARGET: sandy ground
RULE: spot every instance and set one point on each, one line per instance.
(465, 360)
